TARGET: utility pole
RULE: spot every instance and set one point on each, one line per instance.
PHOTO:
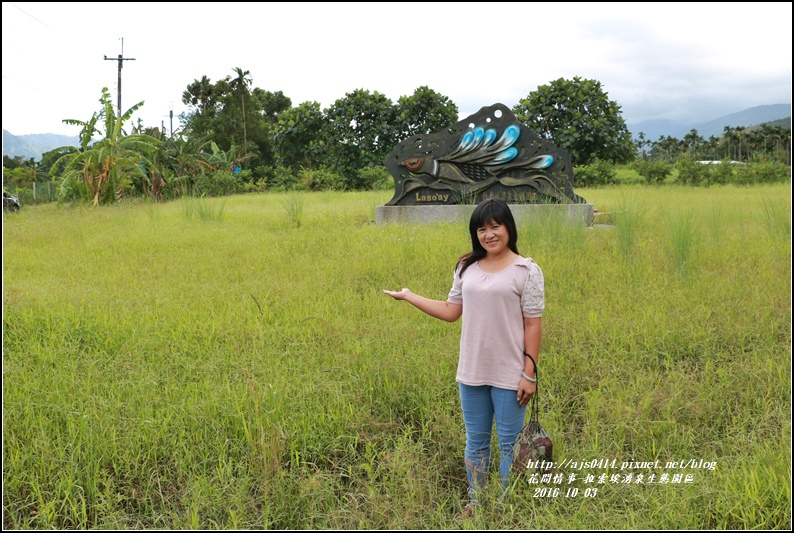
(120, 59)
(171, 116)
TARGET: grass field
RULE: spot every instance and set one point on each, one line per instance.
(232, 363)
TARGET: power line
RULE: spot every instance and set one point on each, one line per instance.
(34, 18)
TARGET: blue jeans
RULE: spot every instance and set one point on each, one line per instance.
(480, 404)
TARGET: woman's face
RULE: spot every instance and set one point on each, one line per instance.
(494, 237)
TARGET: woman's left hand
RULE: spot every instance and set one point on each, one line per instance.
(525, 391)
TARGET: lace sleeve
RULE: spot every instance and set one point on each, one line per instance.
(456, 292)
(532, 297)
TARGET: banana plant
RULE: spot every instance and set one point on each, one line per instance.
(177, 163)
(229, 159)
(101, 171)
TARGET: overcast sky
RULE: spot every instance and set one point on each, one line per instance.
(681, 61)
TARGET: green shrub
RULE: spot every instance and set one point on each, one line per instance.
(690, 172)
(259, 185)
(766, 171)
(598, 173)
(218, 183)
(655, 171)
(722, 173)
(763, 171)
(375, 179)
(283, 179)
(320, 179)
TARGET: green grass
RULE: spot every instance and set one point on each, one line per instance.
(163, 372)
(293, 206)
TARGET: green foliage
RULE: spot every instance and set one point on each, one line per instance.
(362, 130)
(284, 179)
(629, 218)
(424, 112)
(293, 205)
(21, 176)
(271, 104)
(299, 139)
(745, 175)
(202, 208)
(598, 173)
(778, 218)
(216, 183)
(201, 95)
(324, 179)
(578, 116)
(320, 179)
(765, 171)
(741, 144)
(239, 85)
(355, 133)
(375, 179)
(690, 172)
(112, 165)
(655, 171)
(684, 232)
(231, 114)
(723, 173)
(231, 124)
(17, 161)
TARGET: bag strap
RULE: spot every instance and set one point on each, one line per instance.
(533, 417)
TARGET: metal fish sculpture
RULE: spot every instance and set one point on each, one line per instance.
(489, 154)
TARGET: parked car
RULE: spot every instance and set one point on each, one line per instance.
(10, 203)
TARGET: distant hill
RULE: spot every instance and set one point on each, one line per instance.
(754, 116)
(781, 123)
(36, 144)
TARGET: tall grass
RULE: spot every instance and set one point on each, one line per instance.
(683, 227)
(778, 218)
(250, 374)
(714, 221)
(293, 205)
(629, 215)
(206, 209)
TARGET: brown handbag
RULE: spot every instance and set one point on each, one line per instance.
(533, 444)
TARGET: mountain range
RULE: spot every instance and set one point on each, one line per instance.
(754, 116)
(34, 145)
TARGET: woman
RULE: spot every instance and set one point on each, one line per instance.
(500, 296)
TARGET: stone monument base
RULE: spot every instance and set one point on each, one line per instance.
(428, 214)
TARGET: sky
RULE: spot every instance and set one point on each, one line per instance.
(689, 61)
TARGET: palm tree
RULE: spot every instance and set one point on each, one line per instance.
(692, 143)
(727, 134)
(642, 142)
(739, 132)
(240, 83)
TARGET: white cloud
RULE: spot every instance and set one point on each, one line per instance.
(656, 60)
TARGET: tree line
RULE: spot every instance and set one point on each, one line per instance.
(741, 144)
(237, 138)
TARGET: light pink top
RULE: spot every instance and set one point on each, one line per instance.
(492, 333)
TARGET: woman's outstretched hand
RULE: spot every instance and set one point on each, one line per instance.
(435, 308)
(401, 295)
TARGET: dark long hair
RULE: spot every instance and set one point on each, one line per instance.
(487, 210)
